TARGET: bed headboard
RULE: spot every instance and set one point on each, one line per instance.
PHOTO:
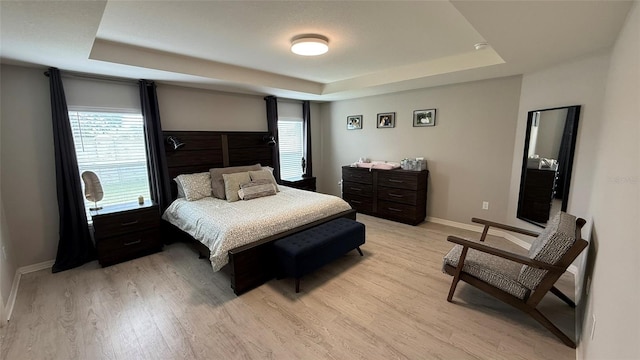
(204, 150)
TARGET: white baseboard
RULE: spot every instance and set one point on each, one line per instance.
(16, 283)
(477, 228)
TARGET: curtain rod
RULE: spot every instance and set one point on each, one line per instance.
(73, 74)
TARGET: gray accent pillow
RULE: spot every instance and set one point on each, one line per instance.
(194, 186)
(217, 182)
(256, 189)
(264, 175)
(232, 184)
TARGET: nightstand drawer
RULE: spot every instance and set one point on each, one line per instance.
(120, 248)
(124, 222)
(130, 242)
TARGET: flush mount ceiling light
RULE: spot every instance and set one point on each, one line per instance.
(309, 45)
(481, 45)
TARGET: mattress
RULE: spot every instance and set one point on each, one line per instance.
(222, 226)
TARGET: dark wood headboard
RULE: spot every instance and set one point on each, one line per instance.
(204, 150)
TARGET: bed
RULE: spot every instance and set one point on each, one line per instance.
(234, 244)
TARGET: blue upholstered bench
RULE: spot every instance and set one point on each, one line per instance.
(308, 250)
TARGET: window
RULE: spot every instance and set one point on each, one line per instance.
(291, 144)
(112, 145)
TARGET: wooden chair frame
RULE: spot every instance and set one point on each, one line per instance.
(529, 304)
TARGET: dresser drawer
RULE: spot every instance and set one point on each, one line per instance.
(362, 204)
(356, 188)
(398, 180)
(357, 175)
(396, 210)
(123, 222)
(403, 196)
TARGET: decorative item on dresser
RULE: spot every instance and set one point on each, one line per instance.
(399, 195)
(302, 183)
(126, 231)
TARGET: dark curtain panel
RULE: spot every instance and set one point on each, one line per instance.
(306, 117)
(272, 125)
(75, 246)
(156, 160)
(563, 154)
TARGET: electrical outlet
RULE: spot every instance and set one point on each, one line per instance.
(485, 205)
(593, 326)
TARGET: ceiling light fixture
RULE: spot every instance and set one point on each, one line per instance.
(481, 45)
(309, 45)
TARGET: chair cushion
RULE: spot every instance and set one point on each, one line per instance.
(549, 247)
(494, 270)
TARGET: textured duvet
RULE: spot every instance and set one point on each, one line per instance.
(222, 226)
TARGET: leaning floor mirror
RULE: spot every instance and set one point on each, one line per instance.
(547, 162)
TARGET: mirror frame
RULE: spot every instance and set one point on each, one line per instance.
(573, 116)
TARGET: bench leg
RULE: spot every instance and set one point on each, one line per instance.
(360, 251)
(297, 285)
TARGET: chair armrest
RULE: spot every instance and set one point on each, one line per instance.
(504, 254)
(505, 227)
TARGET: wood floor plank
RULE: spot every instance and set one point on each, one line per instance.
(389, 304)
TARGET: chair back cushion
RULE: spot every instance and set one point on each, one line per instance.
(549, 247)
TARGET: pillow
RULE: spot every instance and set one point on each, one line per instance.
(263, 174)
(180, 189)
(217, 183)
(256, 189)
(194, 186)
(232, 184)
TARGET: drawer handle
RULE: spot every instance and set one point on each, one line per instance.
(394, 209)
(356, 202)
(129, 223)
(355, 188)
(133, 242)
(396, 195)
(396, 181)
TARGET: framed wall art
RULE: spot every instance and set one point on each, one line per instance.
(424, 118)
(386, 120)
(354, 122)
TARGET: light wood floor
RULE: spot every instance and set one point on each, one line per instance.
(389, 304)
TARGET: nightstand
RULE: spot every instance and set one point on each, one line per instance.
(126, 231)
(302, 183)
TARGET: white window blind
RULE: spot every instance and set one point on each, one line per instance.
(112, 145)
(291, 144)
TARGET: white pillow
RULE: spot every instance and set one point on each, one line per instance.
(195, 186)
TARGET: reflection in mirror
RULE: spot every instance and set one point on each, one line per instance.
(546, 167)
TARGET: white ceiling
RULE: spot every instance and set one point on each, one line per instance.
(243, 46)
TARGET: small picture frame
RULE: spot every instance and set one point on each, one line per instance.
(354, 122)
(386, 120)
(424, 117)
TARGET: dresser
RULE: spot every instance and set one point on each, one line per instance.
(538, 192)
(399, 195)
(123, 232)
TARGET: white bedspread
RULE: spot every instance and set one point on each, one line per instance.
(222, 226)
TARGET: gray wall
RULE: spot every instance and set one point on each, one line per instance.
(30, 216)
(614, 258)
(468, 152)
